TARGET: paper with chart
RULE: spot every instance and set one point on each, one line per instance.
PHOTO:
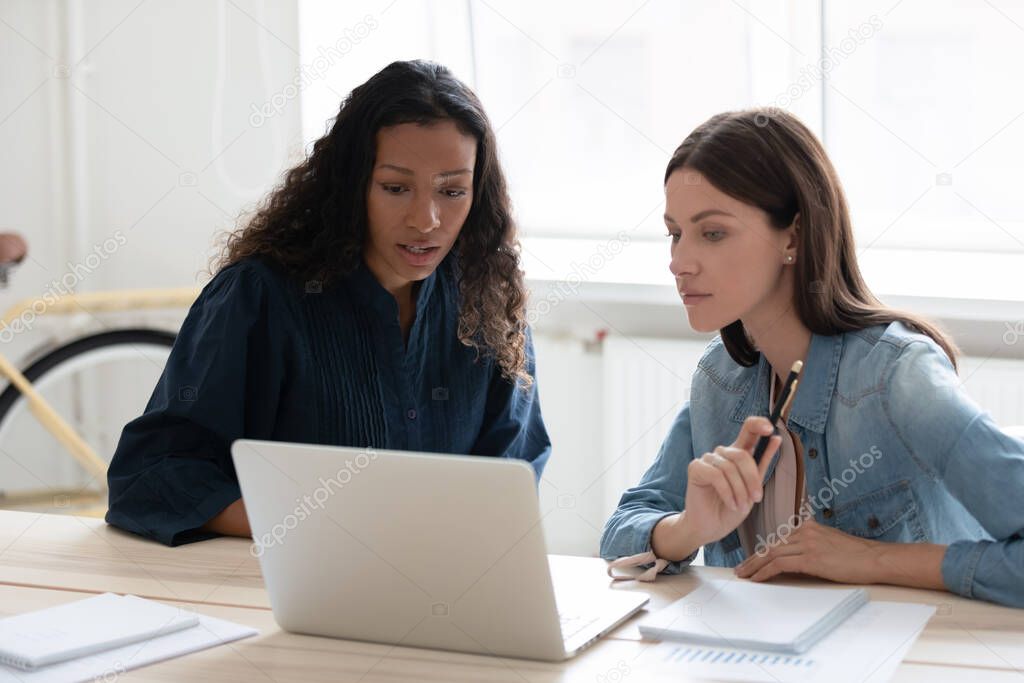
(866, 648)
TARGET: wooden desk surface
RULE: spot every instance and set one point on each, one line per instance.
(280, 657)
(40, 553)
(86, 554)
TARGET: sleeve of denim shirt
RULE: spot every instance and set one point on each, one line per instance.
(660, 493)
(513, 426)
(983, 467)
(172, 469)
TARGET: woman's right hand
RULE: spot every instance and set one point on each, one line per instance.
(722, 486)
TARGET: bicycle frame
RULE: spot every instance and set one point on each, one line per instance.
(91, 302)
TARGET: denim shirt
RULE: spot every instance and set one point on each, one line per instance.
(894, 451)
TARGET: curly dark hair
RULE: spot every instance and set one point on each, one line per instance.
(314, 223)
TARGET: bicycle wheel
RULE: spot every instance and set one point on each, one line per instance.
(97, 383)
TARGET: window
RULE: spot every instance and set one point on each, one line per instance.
(920, 104)
(924, 120)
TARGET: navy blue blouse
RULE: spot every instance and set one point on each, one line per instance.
(260, 356)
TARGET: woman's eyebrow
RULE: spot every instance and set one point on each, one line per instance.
(400, 169)
(709, 212)
(451, 174)
(443, 175)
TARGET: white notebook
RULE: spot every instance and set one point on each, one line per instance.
(744, 614)
(108, 665)
(85, 627)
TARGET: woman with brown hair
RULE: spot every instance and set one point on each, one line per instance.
(883, 470)
(374, 300)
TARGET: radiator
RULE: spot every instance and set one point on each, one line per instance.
(645, 384)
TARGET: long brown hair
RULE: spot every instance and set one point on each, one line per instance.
(314, 223)
(769, 159)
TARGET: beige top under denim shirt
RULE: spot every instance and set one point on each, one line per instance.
(775, 516)
(894, 451)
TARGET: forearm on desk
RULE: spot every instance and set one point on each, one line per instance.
(915, 565)
(231, 521)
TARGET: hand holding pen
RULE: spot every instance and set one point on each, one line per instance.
(722, 486)
(781, 403)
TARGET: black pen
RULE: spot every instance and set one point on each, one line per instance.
(788, 389)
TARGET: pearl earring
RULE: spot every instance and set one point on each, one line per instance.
(789, 259)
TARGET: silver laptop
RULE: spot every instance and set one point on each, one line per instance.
(414, 549)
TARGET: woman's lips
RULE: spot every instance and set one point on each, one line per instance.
(693, 299)
(418, 255)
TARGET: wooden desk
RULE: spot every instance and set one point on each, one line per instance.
(40, 553)
(279, 657)
(86, 554)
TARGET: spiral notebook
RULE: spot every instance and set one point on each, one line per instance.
(744, 614)
(85, 627)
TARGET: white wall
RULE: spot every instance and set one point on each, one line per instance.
(129, 143)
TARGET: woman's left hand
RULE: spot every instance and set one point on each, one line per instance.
(816, 550)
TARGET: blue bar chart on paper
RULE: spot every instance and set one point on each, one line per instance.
(866, 648)
(726, 661)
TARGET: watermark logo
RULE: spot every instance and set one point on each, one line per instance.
(604, 254)
(813, 73)
(821, 500)
(1014, 332)
(307, 74)
(306, 505)
(75, 274)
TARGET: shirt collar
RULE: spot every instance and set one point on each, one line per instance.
(368, 290)
(810, 406)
